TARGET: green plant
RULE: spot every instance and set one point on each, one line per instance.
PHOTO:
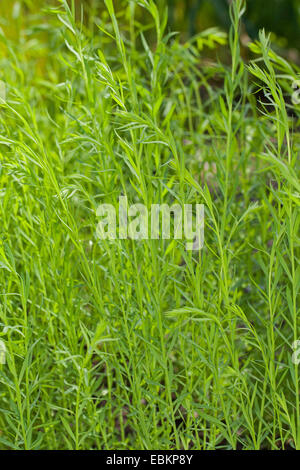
(142, 345)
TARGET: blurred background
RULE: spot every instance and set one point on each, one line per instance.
(188, 17)
(281, 17)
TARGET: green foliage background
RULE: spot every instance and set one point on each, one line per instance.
(282, 17)
(113, 344)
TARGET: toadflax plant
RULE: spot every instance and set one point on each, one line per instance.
(141, 344)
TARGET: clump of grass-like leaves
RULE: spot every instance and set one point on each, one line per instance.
(143, 345)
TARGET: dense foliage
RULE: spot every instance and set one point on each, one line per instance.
(143, 345)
